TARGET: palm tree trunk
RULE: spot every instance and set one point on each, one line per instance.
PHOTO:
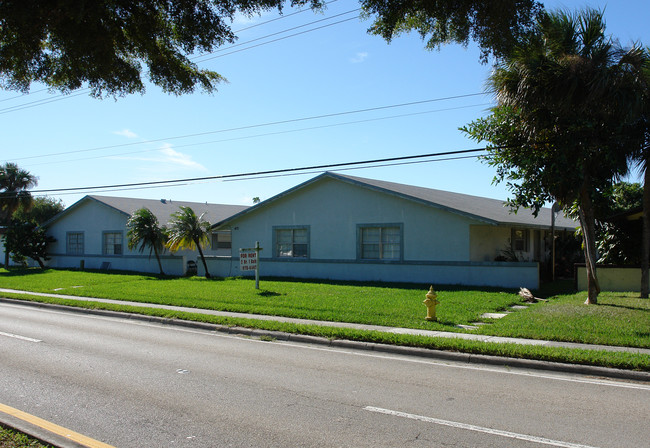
(588, 223)
(205, 265)
(645, 259)
(155, 251)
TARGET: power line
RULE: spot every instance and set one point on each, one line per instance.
(203, 58)
(266, 134)
(262, 173)
(62, 96)
(35, 103)
(282, 16)
(258, 125)
(269, 176)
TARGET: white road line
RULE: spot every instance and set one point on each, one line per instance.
(496, 432)
(22, 338)
(548, 376)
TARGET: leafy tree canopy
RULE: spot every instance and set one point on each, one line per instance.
(26, 240)
(104, 44)
(109, 46)
(495, 25)
(42, 209)
(567, 97)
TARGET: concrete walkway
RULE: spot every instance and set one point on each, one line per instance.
(428, 333)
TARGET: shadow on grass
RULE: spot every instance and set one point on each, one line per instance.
(17, 272)
(379, 284)
(632, 308)
(265, 293)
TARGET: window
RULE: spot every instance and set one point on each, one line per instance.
(112, 243)
(519, 240)
(380, 242)
(292, 242)
(222, 240)
(75, 243)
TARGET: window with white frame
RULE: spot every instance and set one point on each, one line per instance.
(291, 242)
(378, 242)
(519, 240)
(74, 243)
(112, 243)
(222, 239)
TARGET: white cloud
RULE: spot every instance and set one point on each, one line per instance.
(167, 160)
(359, 58)
(169, 155)
(126, 133)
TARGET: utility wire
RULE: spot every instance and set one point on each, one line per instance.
(282, 16)
(41, 102)
(261, 173)
(62, 96)
(269, 176)
(205, 58)
(267, 134)
(258, 125)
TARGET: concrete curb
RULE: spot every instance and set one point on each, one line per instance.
(360, 345)
(36, 432)
(57, 441)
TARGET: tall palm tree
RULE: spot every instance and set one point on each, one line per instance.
(144, 230)
(566, 83)
(14, 183)
(639, 77)
(187, 231)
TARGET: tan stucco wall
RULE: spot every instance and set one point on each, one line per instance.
(612, 279)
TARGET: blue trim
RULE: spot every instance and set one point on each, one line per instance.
(360, 227)
(408, 262)
(83, 242)
(122, 246)
(274, 230)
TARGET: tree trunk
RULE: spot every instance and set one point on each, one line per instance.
(205, 265)
(155, 251)
(645, 259)
(40, 262)
(588, 224)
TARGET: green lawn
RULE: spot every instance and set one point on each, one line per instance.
(392, 305)
(619, 319)
(13, 439)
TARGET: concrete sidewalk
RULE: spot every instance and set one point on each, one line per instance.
(428, 333)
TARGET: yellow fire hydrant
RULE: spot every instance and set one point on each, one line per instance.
(431, 301)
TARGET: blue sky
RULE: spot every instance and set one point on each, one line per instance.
(78, 141)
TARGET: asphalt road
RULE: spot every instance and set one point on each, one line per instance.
(133, 384)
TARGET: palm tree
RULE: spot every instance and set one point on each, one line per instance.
(144, 230)
(14, 183)
(187, 231)
(566, 83)
(638, 80)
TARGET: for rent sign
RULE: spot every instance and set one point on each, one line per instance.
(248, 259)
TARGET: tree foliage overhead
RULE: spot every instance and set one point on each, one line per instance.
(104, 44)
(495, 25)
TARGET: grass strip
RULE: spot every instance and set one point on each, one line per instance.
(12, 439)
(600, 358)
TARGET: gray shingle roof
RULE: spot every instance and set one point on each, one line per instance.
(489, 211)
(492, 211)
(161, 208)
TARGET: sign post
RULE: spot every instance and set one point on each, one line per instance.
(249, 260)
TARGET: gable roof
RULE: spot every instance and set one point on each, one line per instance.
(162, 208)
(486, 210)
